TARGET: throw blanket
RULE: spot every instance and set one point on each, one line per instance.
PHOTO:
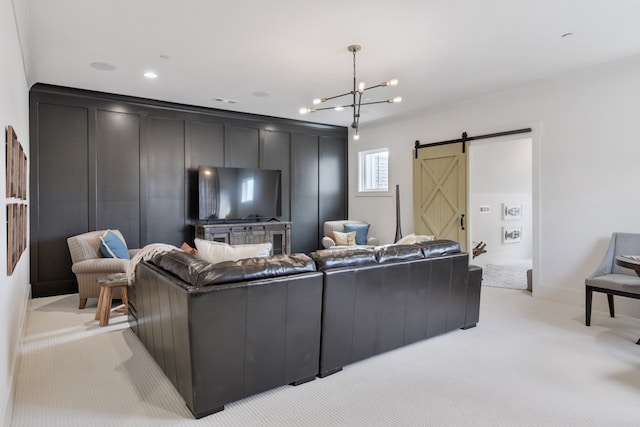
(145, 254)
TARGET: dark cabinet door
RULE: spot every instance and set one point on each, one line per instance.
(304, 193)
(59, 195)
(164, 182)
(118, 174)
(274, 154)
(332, 189)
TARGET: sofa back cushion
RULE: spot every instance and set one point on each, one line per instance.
(392, 253)
(256, 268)
(199, 272)
(436, 248)
(349, 257)
(216, 252)
(186, 266)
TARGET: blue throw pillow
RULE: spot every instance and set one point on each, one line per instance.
(113, 246)
(362, 231)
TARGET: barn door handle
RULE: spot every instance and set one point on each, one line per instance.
(462, 222)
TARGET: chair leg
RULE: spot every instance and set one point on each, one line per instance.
(100, 303)
(105, 308)
(610, 300)
(589, 299)
(83, 303)
(125, 298)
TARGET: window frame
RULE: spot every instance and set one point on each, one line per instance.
(362, 170)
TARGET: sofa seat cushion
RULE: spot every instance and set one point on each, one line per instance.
(335, 258)
(392, 253)
(436, 248)
(256, 268)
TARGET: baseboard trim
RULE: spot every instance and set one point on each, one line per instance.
(15, 357)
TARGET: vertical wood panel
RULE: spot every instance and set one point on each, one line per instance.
(304, 194)
(165, 213)
(118, 174)
(61, 200)
(242, 149)
(274, 154)
(206, 148)
(332, 190)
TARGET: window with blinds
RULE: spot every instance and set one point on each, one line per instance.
(373, 170)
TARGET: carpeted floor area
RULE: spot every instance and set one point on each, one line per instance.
(511, 276)
(528, 363)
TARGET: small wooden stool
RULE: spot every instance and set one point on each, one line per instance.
(106, 291)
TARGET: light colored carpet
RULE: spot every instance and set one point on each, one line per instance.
(512, 276)
(528, 363)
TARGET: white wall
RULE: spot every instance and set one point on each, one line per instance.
(14, 289)
(586, 147)
(500, 172)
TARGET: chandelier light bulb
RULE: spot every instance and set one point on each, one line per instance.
(393, 82)
(356, 136)
(396, 100)
(361, 87)
(339, 108)
(319, 101)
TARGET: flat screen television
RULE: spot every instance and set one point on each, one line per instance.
(238, 194)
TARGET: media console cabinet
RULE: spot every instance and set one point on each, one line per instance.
(278, 233)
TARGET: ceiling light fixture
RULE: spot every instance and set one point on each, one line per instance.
(358, 90)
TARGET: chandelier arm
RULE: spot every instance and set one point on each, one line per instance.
(333, 108)
(386, 101)
(373, 87)
(336, 96)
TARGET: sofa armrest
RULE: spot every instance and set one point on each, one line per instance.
(100, 265)
(133, 252)
(327, 242)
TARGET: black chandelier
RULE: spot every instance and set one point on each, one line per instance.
(357, 92)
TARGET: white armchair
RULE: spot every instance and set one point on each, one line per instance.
(361, 227)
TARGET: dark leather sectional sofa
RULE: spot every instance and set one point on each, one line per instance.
(221, 333)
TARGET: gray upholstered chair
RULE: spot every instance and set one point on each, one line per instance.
(612, 279)
(328, 240)
(89, 264)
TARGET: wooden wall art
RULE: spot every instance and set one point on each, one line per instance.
(16, 188)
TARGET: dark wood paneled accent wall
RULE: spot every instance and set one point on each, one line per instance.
(108, 161)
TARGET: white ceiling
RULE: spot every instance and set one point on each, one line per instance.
(296, 50)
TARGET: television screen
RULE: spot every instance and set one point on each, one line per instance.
(232, 194)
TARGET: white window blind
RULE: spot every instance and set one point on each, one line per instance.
(373, 170)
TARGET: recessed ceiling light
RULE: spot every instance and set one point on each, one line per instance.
(150, 75)
(103, 66)
(260, 94)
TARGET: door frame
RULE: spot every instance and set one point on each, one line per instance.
(536, 139)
